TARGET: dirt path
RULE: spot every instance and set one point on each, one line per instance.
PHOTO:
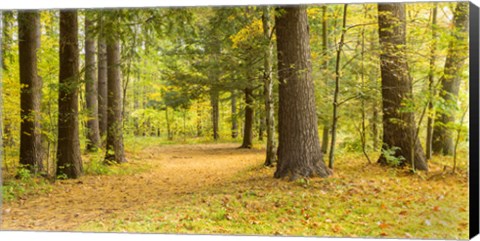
(175, 172)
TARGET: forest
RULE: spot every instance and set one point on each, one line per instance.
(318, 120)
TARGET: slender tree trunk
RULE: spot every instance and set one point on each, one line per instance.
(169, 130)
(214, 99)
(442, 141)
(7, 23)
(233, 100)
(261, 125)
(69, 160)
(102, 82)
(199, 122)
(331, 158)
(91, 95)
(431, 90)
(30, 133)
(249, 117)
(271, 156)
(299, 152)
(115, 150)
(398, 125)
(326, 126)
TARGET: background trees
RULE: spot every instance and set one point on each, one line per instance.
(202, 74)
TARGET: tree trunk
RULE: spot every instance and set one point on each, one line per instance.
(169, 130)
(261, 125)
(299, 153)
(398, 124)
(431, 89)
(30, 133)
(102, 82)
(331, 154)
(93, 134)
(442, 141)
(249, 116)
(214, 96)
(199, 122)
(69, 160)
(115, 151)
(271, 156)
(7, 23)
(233, 100)
(326, 126)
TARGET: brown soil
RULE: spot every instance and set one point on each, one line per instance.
(175, 172)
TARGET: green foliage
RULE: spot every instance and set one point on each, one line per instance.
(26, 184)
(391, 157)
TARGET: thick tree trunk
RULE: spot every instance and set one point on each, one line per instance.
(214, 101)
(233, 101)
(398, 125)
(30, 133)
(431, 90)
(91, 95)
(115, 151)
(442, 141)
(249, 117)
(299, 153)
(102, 84)
(69, 160)
(271, 155)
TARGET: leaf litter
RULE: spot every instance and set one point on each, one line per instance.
(219, 189)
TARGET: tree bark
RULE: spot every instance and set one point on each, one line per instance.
(233, 100)
(91, 95)
(249, 117)
(7, 22)
(30, 133)
(102, 82)
(115, 152)
(442, 140)
(398, 123)
(69, 160)
(299, 152)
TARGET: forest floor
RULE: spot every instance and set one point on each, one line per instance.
(219, 189)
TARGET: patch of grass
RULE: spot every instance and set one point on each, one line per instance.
(26, 185)
(94, 165)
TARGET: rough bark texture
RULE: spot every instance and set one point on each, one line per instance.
(249, 117)
(30, 134)
(91, 95)
(271, 156)
(442, 138)
(299, 153)
(69, 160)
(233, 100)
(214, 99)
(115, 151)
(398, 124)
(102, 86)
